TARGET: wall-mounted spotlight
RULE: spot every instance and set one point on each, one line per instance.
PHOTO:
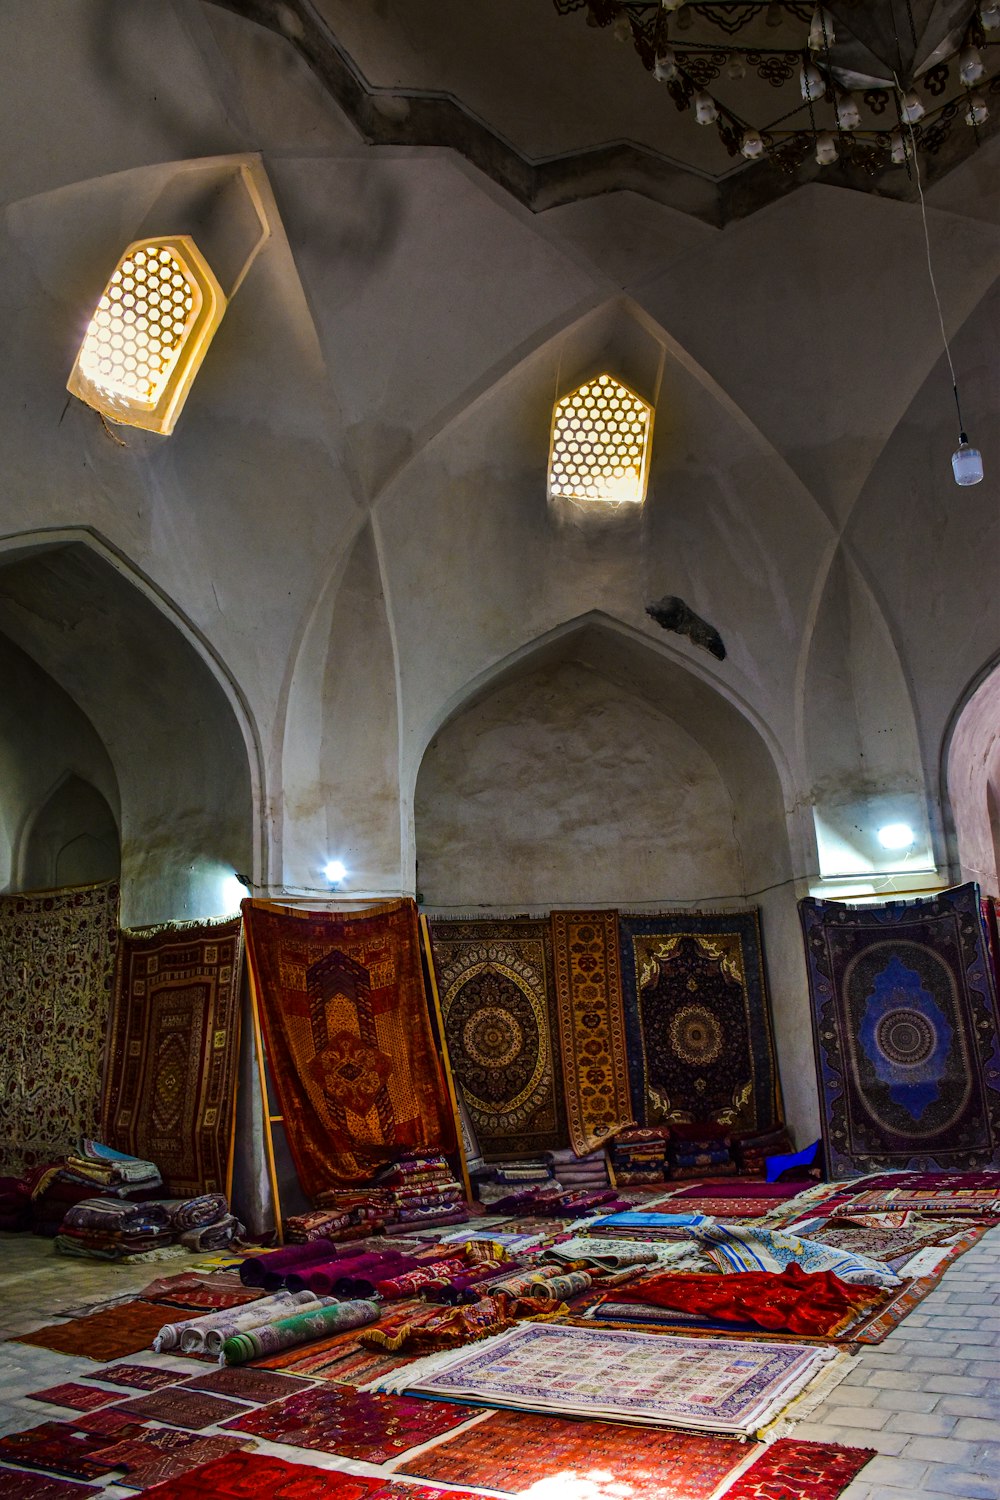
(335, 872)
(149, 334)
(234, 888)
(896, 836)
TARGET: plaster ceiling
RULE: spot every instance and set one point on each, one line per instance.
(556, 109)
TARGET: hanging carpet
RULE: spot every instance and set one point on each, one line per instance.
(348, 1037)
(498, 1002)
(591, 1023)
(699, 1024)
(57, 955)
(170, 1082)
(905, 1033)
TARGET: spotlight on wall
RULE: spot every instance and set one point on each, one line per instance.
(896, 836)
(335, 872)
(149, 334)
(234, 888)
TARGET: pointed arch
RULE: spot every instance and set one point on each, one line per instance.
(71, 839)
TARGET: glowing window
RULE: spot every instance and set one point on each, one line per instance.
(149, 334)
(600, 444)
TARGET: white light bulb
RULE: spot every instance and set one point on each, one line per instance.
(900, 147)
(978, 111)
(967, 463)
(821, 31)
(848, 114)
(826, 149)
(970, 66)
(665, 66)
(706, 111)
(752, 145)
(811, 82)
(335, 872)
(912, 108)
(896, 836)
(990, 17)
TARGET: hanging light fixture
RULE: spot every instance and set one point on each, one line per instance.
(989, 15)
(848, 114)
(706, 111)
(821, 31)
(665, 66)
(966, 462)
(899, 148)
(978, 111)
(971, 66)
(912, 108)
(826, 148)
(811, 82)
(752, 145)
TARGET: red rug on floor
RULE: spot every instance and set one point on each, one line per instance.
(253, 1476)
(17, 1485)
(109, 1334)
(790, 1469)
(247, 1384)
(514, 1450)
(137, 1377)
(351, 1423)
(191, 1409)
(76, 1397)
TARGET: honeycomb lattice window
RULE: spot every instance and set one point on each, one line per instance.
(600, 444)
(149, 333)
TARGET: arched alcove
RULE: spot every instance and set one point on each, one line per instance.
(72, 840)
(971, 771)
(596, 769)
(162, 744)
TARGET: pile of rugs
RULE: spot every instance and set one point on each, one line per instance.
(412, 1191)
(91, 1169)
(108, 1228)
(658, 1342)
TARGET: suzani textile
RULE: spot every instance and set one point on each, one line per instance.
(57, 958)
(699, 1024)
(645, 1378)
(905, 1031)
(514, 1450)
(498, 1004)
(348, 1037)
(591, 1026)
(170, 1083)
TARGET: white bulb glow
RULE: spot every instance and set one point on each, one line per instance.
(233, 891)
(334, 871)
(896, 836)
(967, 464)
(912, 108)
(706, 111)
(811, 82)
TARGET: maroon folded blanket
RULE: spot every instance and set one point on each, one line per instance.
(256, 1268)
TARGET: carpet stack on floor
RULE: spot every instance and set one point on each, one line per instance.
(414, 1191)
(112, 1229)
(639, 1155)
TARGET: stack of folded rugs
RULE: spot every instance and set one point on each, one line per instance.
(752, 1150)
(702, 1149)
(414, 1191)
(574, 1171)
(93, 1168)
(639, 1155)
(108, 1228)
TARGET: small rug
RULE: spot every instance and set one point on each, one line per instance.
(162, 1455)
(202, 1293)
(170, 1080)
(974, 1202)
(351, 1423)
(311, 1358)
(181, 1408)
(109, 1334)
(591, 1020)
(731, 1386)
(15, 1486)
(253, 1476)
(512, 1451)
(76, 1397)
(138, 1377)
(698, 1019)
(109, 1422)
(58, 1446)
(789, 1467)
(247, 1384)
(905, 1034)
(498, 1003)
(727, 1208)
(348, 1037)
(57, 954)
(361, 1367)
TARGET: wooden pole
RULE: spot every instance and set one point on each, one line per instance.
(425, 934)
(258, 1040)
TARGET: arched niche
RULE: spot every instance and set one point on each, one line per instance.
(164, 723)
(72, 840)
(971, 766)
(596, 769)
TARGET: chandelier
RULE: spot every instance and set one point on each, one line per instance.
(868, 84)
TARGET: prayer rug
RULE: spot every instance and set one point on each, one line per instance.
(58, 1446)
(498, 1002)
(109, 1422)
(161, 1454)
(257, 1476)
(109, 1334)
(180, 1408)
(138, 1377)
(76, 1397)
(698, 1020)
(513, 1450)
(788, 1467)
(591, 1017)
(905, 1033)
(649, 1378)
(170, 1081)
(246, 1384)
(22, 1486)
(348, 1037)
(57, 953)
(352, 1423)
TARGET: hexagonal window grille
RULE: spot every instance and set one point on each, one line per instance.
(149, 334)
(600, 444)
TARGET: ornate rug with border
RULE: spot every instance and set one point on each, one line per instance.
(591, 1021)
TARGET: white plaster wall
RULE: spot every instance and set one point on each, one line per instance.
(562, 788)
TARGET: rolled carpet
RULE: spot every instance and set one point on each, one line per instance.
(197, 1213)
(340, 1277)
(300, 1328)
(171, 1335)
(259, 1270)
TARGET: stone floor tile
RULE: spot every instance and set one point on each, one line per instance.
(902, 1472)
(925, 1366)
(936, 1349)
(866, 1417)
(947, 1450)
(982, 1428)
(957, 1385)
(987, 1407)
(891, 1400)
(921, 1423)
(985, 1369)
(964, 1483)
(890, 1380)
